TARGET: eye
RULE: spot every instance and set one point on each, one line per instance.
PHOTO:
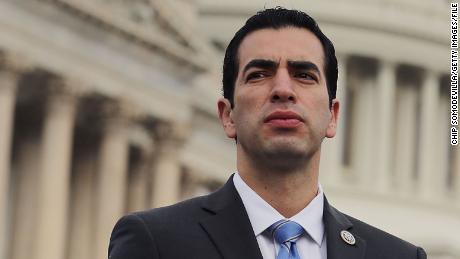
(256, 75)
(306, 76)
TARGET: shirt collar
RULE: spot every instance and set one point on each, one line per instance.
(262, 215)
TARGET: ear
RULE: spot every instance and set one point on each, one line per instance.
(332, 127)
(225, 116)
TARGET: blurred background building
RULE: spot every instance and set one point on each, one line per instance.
(109, 106)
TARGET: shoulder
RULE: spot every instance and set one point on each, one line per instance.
(182, 212)
(381, 244)
(192, 210)
(372, 234)
(153, 232)
(136, 235)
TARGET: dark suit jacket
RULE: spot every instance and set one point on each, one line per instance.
(217, 226)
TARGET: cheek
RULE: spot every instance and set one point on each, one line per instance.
(315, 99)
(249, 101)
(247, 113)
(317, 108)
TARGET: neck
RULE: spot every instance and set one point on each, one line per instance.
(288, 191)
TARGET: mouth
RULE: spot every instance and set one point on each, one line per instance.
(284, 119)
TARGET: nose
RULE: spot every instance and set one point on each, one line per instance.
(283, 88)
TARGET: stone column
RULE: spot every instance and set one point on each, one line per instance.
(25, 190)
(384, 141)
(406, 142)
(112, 175)
(56, 148)
(83, 200)
(138, 182)
(8, 83)
(427, 172)
(331, 166)
(363, 134)
(167, 170)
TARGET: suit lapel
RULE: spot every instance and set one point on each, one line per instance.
(228, 226)
(337, 248)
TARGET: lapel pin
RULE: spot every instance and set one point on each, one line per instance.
(348, 237)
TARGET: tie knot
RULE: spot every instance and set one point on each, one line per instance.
(286, 231)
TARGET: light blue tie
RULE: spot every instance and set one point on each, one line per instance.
(286, 233)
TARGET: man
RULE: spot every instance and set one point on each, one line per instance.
(279, 82)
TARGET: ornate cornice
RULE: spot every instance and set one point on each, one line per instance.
(169, 137)
(146, 36)
(14, 63)
(167, 14)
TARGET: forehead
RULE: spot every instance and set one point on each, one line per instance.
(283, 44)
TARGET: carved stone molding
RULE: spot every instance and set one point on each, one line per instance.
(115, 114)
(169, 137)
(12, 66)
(65, 87)
(14, 62)
(145, 36)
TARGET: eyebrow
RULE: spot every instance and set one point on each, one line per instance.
(261, 63)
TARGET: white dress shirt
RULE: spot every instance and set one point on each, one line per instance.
(311, 245)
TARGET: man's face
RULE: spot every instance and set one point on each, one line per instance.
(281, 104)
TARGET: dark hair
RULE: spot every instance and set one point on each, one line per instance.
(277, 18)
